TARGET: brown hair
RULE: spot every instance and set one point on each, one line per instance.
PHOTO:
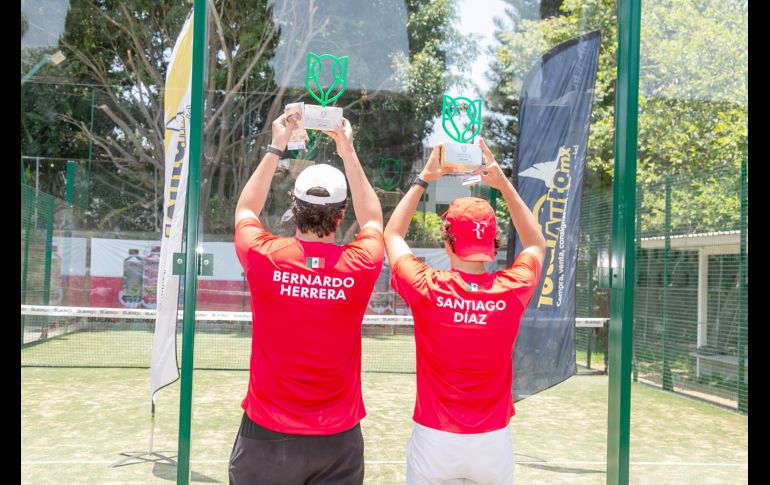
(320, 219)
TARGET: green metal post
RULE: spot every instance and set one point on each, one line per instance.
(70, 191)
(667, 384)
(69, 210)
(191, 265)
(590, 273)
(48, 251)
(493, 198)
(34, 69)
(27, 211)
(91, 130)
(624, 202)
(638, 248)
(743, 390)
(90, 144)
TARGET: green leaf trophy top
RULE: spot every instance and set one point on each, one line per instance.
(449, 110)
(339, 72)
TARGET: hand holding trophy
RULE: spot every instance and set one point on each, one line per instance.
(323, 117)
(433, 169)
(491, 173)
(461, 157)
(343, 138)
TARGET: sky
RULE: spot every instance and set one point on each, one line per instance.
(45, 19)
(476, 17)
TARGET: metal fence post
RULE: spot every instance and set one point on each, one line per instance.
(667, 384)
(200, 18)
(624, 202)
(743, 390)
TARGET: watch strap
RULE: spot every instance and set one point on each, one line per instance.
(273, 150)
(418, 181)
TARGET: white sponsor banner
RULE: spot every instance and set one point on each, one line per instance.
(176, 103)
(107, 255)
(226, 265)
(72, 251)
(436, 258)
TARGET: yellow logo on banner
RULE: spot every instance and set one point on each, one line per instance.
(179, 159)
(550, 208)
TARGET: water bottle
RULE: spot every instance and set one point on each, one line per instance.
(150, 278)
(131, 293)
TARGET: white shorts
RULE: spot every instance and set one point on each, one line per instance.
(436, 457)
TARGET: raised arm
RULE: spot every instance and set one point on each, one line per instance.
(252, 199)
(523, 220)
(398, 225)
(366, 205)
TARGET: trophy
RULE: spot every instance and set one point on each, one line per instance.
(461, 157)
(387, 178)
(323, 117)
(389, 171)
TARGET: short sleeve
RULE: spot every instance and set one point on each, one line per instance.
(250, 235)
(409, 277)
(366, 251)
(524, 275)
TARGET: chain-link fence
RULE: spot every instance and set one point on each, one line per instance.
(690, 310)
(690, 317)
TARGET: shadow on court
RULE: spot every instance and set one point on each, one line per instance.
(562, 469)
(166, 471)
(560, 435)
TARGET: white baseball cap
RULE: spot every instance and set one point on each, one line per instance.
(324, 176)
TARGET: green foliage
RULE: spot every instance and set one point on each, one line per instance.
(693, 106)
(425, 229)
(503, 216)
(522, 40)
(123, 49)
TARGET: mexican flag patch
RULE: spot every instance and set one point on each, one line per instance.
(315, 262)
(471, 287)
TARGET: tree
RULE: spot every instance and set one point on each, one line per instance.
(692, 99)
(256, 49)
(425, 229)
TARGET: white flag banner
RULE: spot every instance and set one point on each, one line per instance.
(164, 368)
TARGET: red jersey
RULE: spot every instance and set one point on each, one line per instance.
(308, 301)
(465, 326)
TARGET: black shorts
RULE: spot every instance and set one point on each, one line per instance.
(261, 456)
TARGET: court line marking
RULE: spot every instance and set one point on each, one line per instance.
(402, 462)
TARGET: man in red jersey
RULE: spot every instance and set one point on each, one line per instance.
(465, 325)
(303, 406)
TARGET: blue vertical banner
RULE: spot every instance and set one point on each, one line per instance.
(554, 117)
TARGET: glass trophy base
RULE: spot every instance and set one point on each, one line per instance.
(461, 157)
(298, 135)
(317, 117)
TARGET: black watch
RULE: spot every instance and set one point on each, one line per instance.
(418, 181)
(273, 150)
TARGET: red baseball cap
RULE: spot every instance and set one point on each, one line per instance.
(473, 224)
